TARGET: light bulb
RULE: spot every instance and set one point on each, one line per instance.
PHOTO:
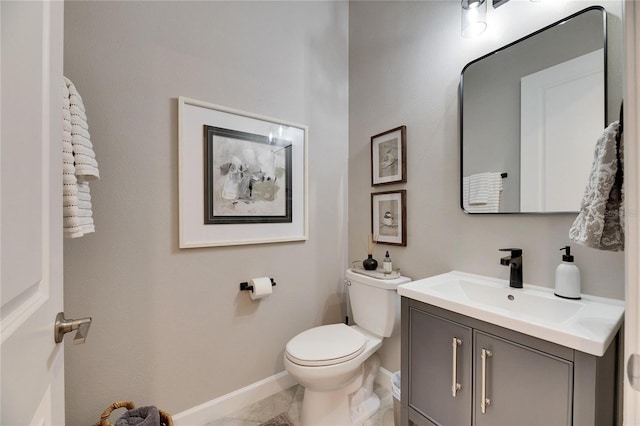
(474, 17)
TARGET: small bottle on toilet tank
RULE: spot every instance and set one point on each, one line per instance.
(386, 264)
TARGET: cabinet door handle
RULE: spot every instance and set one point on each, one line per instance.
(455, 386)
(485, 401)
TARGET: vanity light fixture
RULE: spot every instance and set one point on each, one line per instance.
(474, 17)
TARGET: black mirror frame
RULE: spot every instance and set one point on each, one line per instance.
(461, 105)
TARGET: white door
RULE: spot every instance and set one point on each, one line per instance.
(632, 206)
(560, 119)
(32, 365)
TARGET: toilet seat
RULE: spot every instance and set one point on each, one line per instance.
(325, 345)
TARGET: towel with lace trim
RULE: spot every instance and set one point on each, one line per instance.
(600, 223)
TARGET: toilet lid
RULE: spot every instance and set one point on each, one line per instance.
(326, 345)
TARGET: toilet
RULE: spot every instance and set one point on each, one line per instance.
(337, 363)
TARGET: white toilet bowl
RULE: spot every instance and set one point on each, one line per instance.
(336, 363)
(330, 382)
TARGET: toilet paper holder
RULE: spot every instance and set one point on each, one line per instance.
(244, 286)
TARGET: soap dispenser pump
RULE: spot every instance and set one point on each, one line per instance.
(567, 277)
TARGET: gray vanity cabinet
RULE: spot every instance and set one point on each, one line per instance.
(523, 386)
(437, 347)
(451, 363)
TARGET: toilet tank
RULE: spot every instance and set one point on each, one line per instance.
(375, 303)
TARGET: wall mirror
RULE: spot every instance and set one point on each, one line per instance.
(530, 115)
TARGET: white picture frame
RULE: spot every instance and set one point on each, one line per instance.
(193, 116)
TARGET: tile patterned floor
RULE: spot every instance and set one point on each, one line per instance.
(290, 400)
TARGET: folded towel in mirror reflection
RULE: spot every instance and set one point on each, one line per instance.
(481, 192)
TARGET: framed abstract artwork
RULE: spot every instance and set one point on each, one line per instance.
(247, 177)
(242, 177)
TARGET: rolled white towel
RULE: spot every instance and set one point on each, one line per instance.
(86, 151)
(79, 222)
(70, 210)
(69, 180)
(85, 162)
(79, 111)
(68, 170)
(78, 228)
(80, 131)
(85, 204)
(68, 199)
(85, 215)
(84, 193)
(79, 165)
(85, 168)
(70, 190)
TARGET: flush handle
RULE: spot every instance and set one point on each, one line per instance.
(455, 386)
(63, 326)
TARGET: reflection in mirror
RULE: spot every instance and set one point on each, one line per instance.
(531, 113)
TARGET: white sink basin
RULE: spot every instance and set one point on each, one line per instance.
(587, 325)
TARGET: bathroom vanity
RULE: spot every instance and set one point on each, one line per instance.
(462, 364)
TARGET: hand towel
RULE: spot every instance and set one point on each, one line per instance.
(143, 416)
(480, 186)
(84, 156)
(79, 165)
(600, 223)
(69, 180)
(481, 192)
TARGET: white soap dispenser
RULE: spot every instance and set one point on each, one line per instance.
(567, 277)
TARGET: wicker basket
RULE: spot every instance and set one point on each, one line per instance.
(165, 418)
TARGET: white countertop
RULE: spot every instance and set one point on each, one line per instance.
(587, 325)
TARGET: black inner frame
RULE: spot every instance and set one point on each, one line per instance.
(209, 199)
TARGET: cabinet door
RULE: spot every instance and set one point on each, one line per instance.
(524, 386)
(440, 357)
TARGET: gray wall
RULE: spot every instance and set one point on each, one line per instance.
(170, 326)
(405, 60)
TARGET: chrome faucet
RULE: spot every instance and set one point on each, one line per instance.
(515, 263)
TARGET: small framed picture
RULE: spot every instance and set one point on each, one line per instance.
(389, 157)
(389, 217)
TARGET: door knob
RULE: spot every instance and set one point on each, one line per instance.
(633, 371)
(63, 326)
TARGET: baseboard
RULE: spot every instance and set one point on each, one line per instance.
(227, 404)
(383, 378)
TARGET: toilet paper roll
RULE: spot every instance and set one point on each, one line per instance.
(261, 287)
